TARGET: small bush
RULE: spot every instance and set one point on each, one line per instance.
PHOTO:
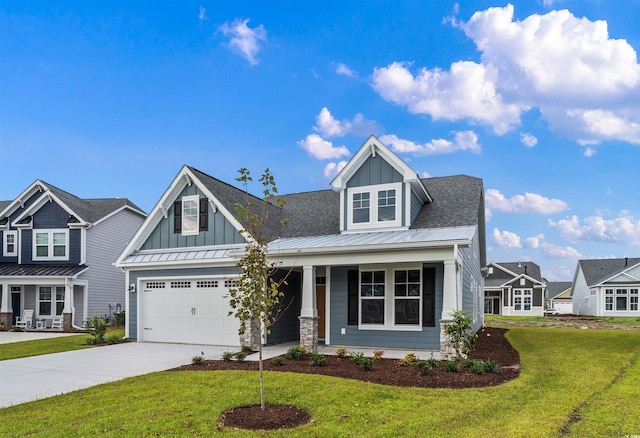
(377, 354)
(97, 327)
(452, 366)
(112, 339)
(278, 361)
(366, 363)
(296, 352)
(16, 329)
(409, 360)
(197, 360)
(491, 366)
(357, 358)
(341, 352)
(227, 356)
(246, 349)
(478, 367)
(318, 359)
(423, 367)
(241, 356)
(91, 341)
(432, 362)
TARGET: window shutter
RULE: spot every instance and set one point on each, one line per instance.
(352, 296)
(204, 214)
(177, 217)
(428, 297)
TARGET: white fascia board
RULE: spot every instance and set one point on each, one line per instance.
(36, 186)
(48, 196)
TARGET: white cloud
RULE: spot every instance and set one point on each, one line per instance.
(527, 203)
(344, 70)
(467, 91)
(463, 141)
(589, 152)
(528, 140)
(624, 229)
(244, 40)
(506, 239)
(584, 83)
(321, 149)
(202, 16)
(558, 252)
(332, 169)
(329, 127)
(534, 241)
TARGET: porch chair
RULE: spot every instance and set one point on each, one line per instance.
(26, 320)
(56, 323)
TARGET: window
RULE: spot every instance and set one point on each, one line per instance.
(633, 300)
(190, 215)
(608, 299)
(522, 299)
(374, 205)
(372, 297)
(407, 297)
(50, 298)
(10, 244)
(621, 299)
(51, 245)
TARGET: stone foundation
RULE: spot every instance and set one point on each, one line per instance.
(6, 318)
(309, 333)
(66, 322)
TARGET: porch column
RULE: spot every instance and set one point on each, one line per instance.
(67, 314)
(449, 303)
(309, 311)
(6, 312)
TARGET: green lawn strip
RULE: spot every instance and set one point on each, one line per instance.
(619, 323)
(561, 371)
(16, 350)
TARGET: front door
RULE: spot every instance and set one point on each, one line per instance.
(321, 305)
(16, 303)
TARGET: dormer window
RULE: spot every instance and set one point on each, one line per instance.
(374, 206)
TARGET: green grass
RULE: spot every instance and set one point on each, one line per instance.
(590, 375)
(618, 323)
(16, 350)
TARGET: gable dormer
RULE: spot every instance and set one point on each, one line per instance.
(378, 191)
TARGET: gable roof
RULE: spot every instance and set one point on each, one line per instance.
(557, 288)
(529, 269)
(597, 271)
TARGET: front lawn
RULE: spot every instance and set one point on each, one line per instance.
(577, 382)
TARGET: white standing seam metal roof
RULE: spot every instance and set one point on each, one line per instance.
(180, 255)
(422, 236)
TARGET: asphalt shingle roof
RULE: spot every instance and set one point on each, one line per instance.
(597, 270)
(555, 288)
(518, 268)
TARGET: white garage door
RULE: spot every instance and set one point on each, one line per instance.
(189, 311)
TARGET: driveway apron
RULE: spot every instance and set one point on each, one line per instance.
(32, 378)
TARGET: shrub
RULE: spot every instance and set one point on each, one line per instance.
(113, 339)
(341, 352)
(432, 362)
(97, 327)
(318, 359)
(240, 356)
(227, 356)
(197, 360)
(423, 367)
(91, 341)
(452, 366)
(296, 352)
(409, 360)
(377, 354)
(118, 319)
(278, 361)
(366, 363)
(357, 358)
(460, 335)
(246, 349)
(478, 367)
(491, 366)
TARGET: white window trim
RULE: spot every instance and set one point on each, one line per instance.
(50, 244)
(5, 245)
(613, 293)
(373, 207)
(196, 199)
(389, 299)
(53, 301)
(522, 293)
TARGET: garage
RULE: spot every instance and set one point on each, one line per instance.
(188, 311)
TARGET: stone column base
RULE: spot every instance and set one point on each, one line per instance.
(66, 322)
(251, 336)
(309, 333)
(6, 318)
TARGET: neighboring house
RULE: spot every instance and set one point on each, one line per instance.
(607, 287)
(559, 296)
(57, 255)
(515, 289)
(380, 260)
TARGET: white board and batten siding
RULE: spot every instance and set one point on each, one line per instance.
(188, 310)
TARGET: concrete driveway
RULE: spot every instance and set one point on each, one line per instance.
(32, 378)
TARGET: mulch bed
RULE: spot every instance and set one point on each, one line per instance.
(492, 345)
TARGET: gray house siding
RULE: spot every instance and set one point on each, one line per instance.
(220, 231)
(375, 170)
(106, 282)
(427, 338)
(78, 304)
(134, 275)
(416, 205)
(472, 284)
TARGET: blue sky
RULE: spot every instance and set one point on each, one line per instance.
(538, 98)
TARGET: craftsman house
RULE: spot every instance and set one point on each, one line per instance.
(381, 259)
(514, 288)
(607, 287)
(57, 254)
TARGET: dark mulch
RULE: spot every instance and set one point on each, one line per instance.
(492, 345)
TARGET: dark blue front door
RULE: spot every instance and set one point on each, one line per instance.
(15, 303)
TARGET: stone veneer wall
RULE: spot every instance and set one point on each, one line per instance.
(309, 333)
